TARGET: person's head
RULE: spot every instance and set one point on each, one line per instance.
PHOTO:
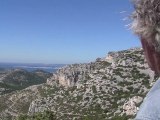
(146, 24)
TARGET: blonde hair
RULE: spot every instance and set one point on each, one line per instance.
(146, 21)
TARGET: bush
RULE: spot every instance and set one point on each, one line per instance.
(94, 89)
(47, 115)
(124, 117)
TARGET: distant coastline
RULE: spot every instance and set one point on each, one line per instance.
(31, 66)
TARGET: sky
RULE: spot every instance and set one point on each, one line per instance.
(63, 31)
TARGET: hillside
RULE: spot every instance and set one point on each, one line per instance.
(110, 88)
(17, 79)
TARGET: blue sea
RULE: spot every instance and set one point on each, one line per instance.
(31, 67)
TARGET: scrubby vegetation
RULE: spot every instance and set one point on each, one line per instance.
(47, 115)
(19, 79)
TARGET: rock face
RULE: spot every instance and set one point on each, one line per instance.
(109, 88)
(70, 75)
(130, 107)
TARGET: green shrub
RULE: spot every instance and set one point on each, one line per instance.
(124, 117)
(94, 89)
(47, 115)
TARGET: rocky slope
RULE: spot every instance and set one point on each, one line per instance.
(109, 88)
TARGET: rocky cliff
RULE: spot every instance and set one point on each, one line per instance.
(109, 88)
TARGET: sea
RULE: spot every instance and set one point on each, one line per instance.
(31, 66)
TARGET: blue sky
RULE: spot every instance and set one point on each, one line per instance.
(63, 31)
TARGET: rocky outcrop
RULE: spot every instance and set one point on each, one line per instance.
(70, 75)
(132, 105)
